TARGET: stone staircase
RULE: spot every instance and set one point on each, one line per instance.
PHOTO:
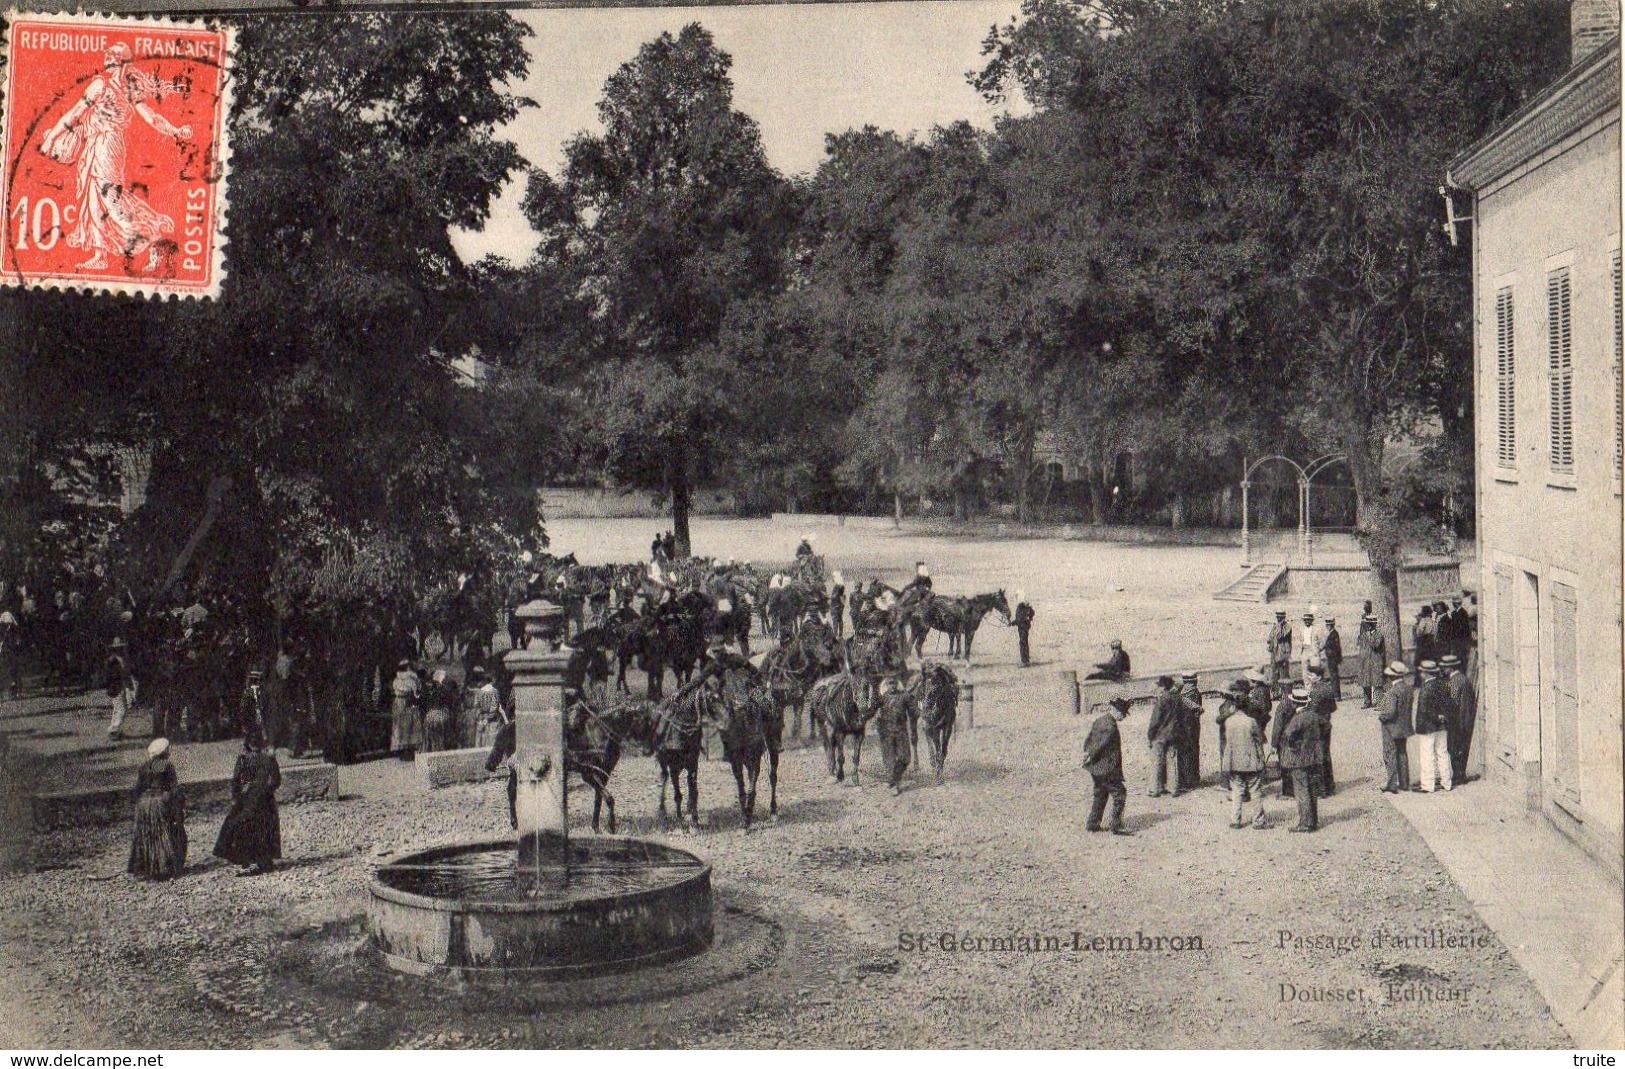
(1254, 585)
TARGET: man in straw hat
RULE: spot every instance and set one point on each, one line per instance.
(120, 687)
(1301, 754)
(1435, 710)
(1022, 620)
(1395, 718)
(1103, 760)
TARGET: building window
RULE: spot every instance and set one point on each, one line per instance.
(1506, 395)
(1619, 386)
(1560, 370)
(1566, 688)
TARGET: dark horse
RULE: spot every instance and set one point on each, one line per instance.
(746, 707)
(936, 706)
(957, 617)
(593, 745)
(675, 744)
(796, 665)
(842, 706)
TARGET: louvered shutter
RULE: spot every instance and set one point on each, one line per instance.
(1560, 370)
(1506, 408)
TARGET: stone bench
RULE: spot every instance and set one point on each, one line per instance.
(443, 768)
(98, 806)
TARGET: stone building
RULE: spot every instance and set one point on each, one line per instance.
(1545, 187)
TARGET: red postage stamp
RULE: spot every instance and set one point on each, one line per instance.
(115, 154)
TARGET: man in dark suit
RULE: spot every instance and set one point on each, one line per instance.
(1022, 619)
(1301, 755)
(1103, 760)
(1435, 716)
(1280, 648)
(1278, 722)
(1115, 667)
(1331, 655)
(1464, 698)
(1190, 736)
(1323, 699)
(1163, 735)
(1395, 718)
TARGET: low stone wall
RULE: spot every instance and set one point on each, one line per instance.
(1210, 681)
(576, 503)
(303, 782)
(1352, 582)
(446, 767)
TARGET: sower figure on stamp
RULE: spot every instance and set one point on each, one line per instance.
(1395, 719)
(113, 220)
(1163, 735)
(1103, 760)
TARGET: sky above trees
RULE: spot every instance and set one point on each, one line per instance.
(800, 70)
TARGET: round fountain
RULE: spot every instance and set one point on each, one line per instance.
(546, 906)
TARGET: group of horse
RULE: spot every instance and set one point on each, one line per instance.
(695, 618)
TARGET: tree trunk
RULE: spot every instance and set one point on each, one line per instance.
(1097, 497)
(896, 508)
(680, 502)
(1377, 522)
(961, 504)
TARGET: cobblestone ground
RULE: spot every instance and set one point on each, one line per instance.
(813, 907)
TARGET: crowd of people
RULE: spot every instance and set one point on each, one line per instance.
(1282, 715)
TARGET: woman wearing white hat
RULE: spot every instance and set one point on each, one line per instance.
(158, 844)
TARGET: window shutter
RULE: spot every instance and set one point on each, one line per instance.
(1566, 687)
(1506, 408)
(1560, 370)
(1619, 386)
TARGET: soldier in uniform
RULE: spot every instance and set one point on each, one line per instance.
(837, 604)
(1022, 620)
(1103, 760)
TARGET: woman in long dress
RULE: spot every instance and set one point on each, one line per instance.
(112, 219)
(252, 833)
(158, 846)
(406, 713)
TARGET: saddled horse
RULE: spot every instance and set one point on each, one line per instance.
(842, 706)
(594, 741)
(675, 744)
(785, 607)
(864, 606)
(936, 705)
(957, 617)
(745, 706)
(796, 665)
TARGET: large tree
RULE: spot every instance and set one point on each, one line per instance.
(321, 384)
(1279, 160)
(669, 217)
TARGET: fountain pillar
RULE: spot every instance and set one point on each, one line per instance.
(540, 808)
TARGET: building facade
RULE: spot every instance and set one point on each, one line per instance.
(1546, 268)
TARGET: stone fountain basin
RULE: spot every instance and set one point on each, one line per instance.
(464, 911)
